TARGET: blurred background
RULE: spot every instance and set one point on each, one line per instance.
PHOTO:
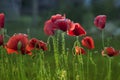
(28, 16)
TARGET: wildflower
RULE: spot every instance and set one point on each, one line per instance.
(35, 43)
(100, 21)
(88, 42)
(16, 43)
(2, 18)
(63, 24)
(79, 50)
(49, 27)
(56, 22)
(76, 30)
(1, 40)
(110, 51)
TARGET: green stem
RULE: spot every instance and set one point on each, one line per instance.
(92, 61)
(48, 42)
(88, 57)
(55, 46)
(103, 44)
(109, 68)
(63, 43)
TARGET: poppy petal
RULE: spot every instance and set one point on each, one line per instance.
(11, 51)
(88, 42)
(49, 27)
(2, 18)
(56, 17)
(110, 51)
(63, 24)
(13, 42)
(1, 40)
(35, 43)
(76, 30)
(79, 50)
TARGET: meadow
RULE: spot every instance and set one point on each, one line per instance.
(59, 62)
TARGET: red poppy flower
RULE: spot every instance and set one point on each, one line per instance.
(100, 21)
(1, 40)
(79, 50)
(76, 30)
(88, 42)
(2, 18)
(16, 43)
(35, 43)
(56, 17)
(110, 51)
(63, 24)
(49, 27)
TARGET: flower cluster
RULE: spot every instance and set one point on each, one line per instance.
(19, 43)
(100, 22)
(59, 22)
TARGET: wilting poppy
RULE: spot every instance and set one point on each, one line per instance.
(35, 43)
(2, 17)
(1, 40)
(100, 21)
(76, 30)
(79, 50)
(88, 42)
(110, 51)
(17, 43)
(49, 27)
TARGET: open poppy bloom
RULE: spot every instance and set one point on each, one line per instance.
(110, 51)
(17, 43)
(2, 17)
(88, 42)
(56, 22)
(100, 21)
(79, 50)
(63, 24)
(1, 40)
(36, 44)
(76, 30)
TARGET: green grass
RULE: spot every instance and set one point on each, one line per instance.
(59, 63)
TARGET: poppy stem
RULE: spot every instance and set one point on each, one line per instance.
(48, 42)
(55, 48)
(80, 59)
(103, 44)
(109, 68)
(76, 43)
(88, 61)
(93, 62)
(64, 53)
(63, 43)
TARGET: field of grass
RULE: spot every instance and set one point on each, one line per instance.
(59, 62)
